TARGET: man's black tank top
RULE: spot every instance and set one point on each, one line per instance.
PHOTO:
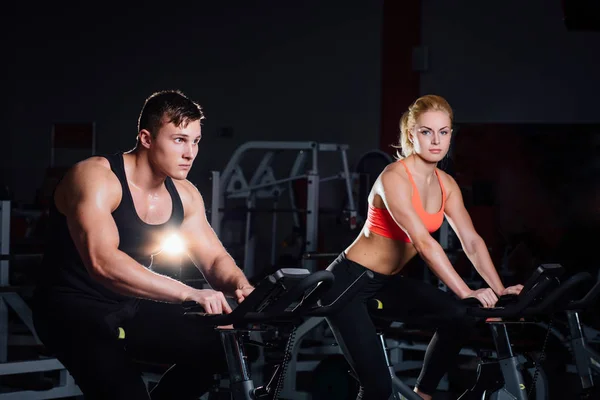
(63, 271)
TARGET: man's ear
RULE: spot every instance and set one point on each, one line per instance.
(145, 138)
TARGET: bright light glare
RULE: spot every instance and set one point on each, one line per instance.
(173, 244)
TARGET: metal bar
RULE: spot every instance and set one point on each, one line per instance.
(501, 341)
(236, 359)
(581, 353)
(384, 349)
(3, 331)
(312, 219)
(257, 145)
(215, 215)
(299, 163)
(4, 277)
(237, 182)
(4, 241)
(23, 311)
(509, 365)
(315, 163)
(332, 147)
(262, 168)
(54, 393)
(347, 177)
(249, 241)
(331, 178)
(594, 360)
(250, 189)
(273, 233)
(24, 367)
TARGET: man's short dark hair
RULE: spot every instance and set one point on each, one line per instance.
(168, 106)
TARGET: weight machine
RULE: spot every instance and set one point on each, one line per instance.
(265, 183)
(10, 298)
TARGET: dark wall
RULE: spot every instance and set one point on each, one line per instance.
(285, 71)
(510, 61)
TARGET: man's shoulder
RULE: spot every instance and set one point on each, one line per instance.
(191, 199)
(187, 190)
(93, 165)
(91, 172)
(87, 177)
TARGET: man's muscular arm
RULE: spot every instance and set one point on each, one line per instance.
(87, 196)
(206, 250)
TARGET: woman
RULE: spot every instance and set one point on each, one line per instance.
(407, 203)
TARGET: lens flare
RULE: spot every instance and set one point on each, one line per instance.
(173, 245)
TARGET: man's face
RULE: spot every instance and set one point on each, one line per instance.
(174, 149)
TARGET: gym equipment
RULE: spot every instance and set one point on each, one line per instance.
(233, 184)
(502, 379)
(540, 298)
(368, 168)
(10, 298)
(282, 299)
(587, 361)
(400, 390)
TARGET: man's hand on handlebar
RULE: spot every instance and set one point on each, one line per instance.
(515, 290)
(242, 293)
(212, 301)
(486, 297)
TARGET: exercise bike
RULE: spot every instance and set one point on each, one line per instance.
(282, 299)
(499, 379)
(541, 297)
(587, 360)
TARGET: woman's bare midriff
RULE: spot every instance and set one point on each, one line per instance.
(380, 254)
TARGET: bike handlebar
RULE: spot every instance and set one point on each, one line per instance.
(258, 307)
(586, 300)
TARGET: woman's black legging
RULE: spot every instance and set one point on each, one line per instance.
(408, 300)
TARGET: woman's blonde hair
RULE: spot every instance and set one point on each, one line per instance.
(430, 102)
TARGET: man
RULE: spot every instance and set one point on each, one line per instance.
(98, 307)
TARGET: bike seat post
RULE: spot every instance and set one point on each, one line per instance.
(241, 384)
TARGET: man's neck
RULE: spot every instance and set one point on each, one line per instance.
(141, 173)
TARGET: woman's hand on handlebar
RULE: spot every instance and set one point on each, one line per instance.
(486, 297)
(516, 289)
(212, 301)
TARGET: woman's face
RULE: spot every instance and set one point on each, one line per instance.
(431, 135)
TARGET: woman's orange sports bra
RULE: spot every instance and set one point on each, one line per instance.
(380, 221)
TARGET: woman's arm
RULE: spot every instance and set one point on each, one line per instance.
(472, 244)
(396, 193)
